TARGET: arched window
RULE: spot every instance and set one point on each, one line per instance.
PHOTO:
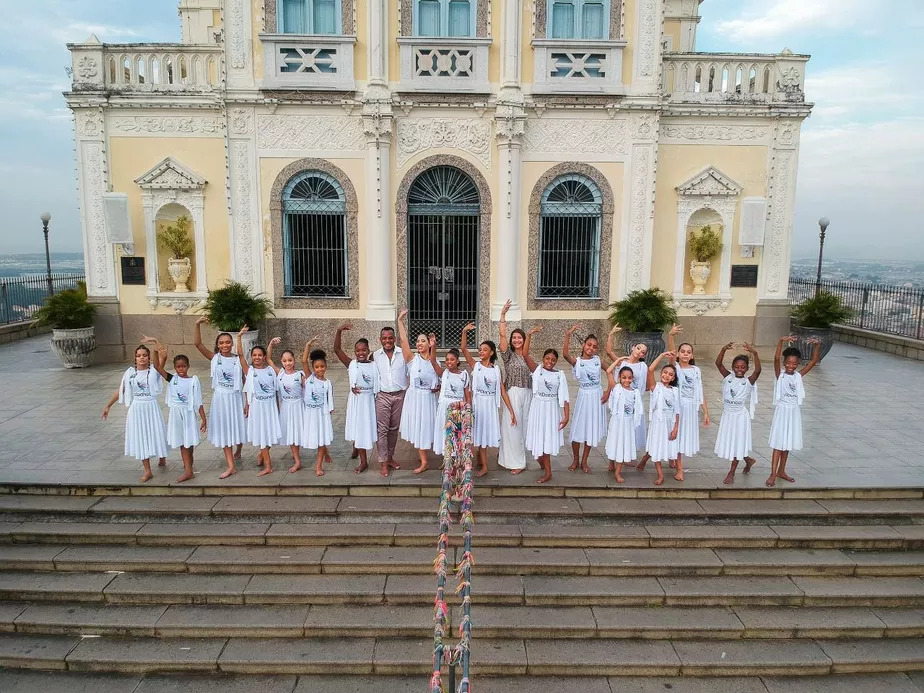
(444, 17)
(578, 19)
(569, 238)
(309, 17)
(314, 243)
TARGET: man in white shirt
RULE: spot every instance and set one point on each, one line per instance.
(390, 400)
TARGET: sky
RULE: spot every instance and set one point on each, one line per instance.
(861, 160)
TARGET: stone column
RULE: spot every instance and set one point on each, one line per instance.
(639, 192)
(245, 234)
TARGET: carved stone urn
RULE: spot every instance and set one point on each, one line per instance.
(179, 269)
(74, 346)
(700, 273)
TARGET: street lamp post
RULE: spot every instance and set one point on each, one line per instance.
(823, 226)
(46, 217)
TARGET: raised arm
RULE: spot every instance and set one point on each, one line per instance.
(338, 344)
(504, 345)
(755, 374)
(160, 355)
(566, 347)
(269, 353)
(436, 364)
(653, 367)
(671, 345)
(720, 359)
(466, 354)
(240, 350)
(778, 354)
(197, 339)
(306, 352)
(402, 335)
(611, 355)
(816, 357)
(530, 363)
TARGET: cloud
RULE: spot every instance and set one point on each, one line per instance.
(876, 88)
(771, 19)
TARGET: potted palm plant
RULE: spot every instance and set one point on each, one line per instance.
(644, 315)
(176, 239)
(235, 305)
(704, 246)
(70, 316)
(813, 319)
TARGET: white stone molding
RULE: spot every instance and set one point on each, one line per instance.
(638, 220)
(574, 136)
(701, 306)
(648, 30)
(708, 183)
(379, 246)
(179, 305)
(321, 62)
(92, 182)
(169, 182)
(165, 126)
(593, 67)
(247, 249)
(510, 122)
(457, 64)
(240, 121)
(781, 177)
(471, 135)
(310, 133)
(713, 133)
(238, 31)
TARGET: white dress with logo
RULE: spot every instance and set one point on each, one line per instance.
(184, 397)
(486, 400)
(318, 405)
(739, 398)
(145, 435)
(625, 412)
(640, 383)
(588, 421)
(691, 399)
(452, 389)
(786, 427)
(227, 426)
(550, 394)
(291, 406)
(419, 409)
(664, 405)
(360, 415)
(263, 429)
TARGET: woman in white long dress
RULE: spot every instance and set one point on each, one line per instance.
(227, 427)
(664, 410)
(145, 435)
(361, 428)
(548, 413)
(588, 423)
(517, 369)
(455, 386)
(319, 404)
(636, 361)
(290, 384)
(419, 411)
(690, 382)
(625, 410)
(739, 398)
(788, 395)
(487, 393)
(260, 405)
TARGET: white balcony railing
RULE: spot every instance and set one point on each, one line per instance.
(734, 77)
(307, 62)
(146, 67)
(578, 66)
(444, 64)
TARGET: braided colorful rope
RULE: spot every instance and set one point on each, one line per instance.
(457, 487)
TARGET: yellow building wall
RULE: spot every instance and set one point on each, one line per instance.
(360, 49)
(495, 13)
(394, 66)
(672, 29)
(628, 53)
(130, 157)
(747, 166)
(527, 64)
(256, 28)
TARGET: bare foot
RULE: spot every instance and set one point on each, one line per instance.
(147, 476)
(421, 469)
(641, 467)
(162, 462)
(771, 480)
(318, 471)
(393, 465)
(585, 468)
(295, 467)
(748, 463)
(678, 477)
(481, 472)
(785, 477)
(659, 481)
(361, 467)
(384, 471)
(574, 465)
(327, 459)
(544, 479)
(237, 455)
(355, 454)
(619, 478)
(673, 464)
(729, 478)
(185, 476)
(264, 472)
(516, 471)
(611, 467)
(228, 472)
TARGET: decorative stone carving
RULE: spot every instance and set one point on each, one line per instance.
(709, 181)
(237, 32)
(167, 125)
(94, 183)
(241, 216)
(640, 223)
(305, 132)
(644, 126)
(377, 120)
(716, 133)
(782, 176)
(170, 174)
(702, 305)
(179, 305)
(87, 67)
(649, 28)
(241, 121)
(88, 122)
(472, 135)
(576, 136)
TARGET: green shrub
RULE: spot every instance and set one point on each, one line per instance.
(234, 305)
(66, 310)
(645, 310)
(821, 311)
(176, 239)
(706, 244)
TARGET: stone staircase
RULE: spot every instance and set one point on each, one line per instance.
(108, 591)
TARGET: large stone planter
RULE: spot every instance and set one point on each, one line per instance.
(653, 340)
(179, 269)
(823, 334)
(700, 273)
(74, 347)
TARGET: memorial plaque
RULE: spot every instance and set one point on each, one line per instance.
(744, 275)
(133, 270)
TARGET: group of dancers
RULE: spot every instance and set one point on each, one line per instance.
(519, 406)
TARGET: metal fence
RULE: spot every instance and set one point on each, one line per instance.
(20, 297)
(877, 307)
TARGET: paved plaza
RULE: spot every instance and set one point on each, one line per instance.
(862, 429)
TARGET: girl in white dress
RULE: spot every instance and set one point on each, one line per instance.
(588, 425)
(625, 410)
(227, 426)
(664, 410)
(419, 411)
(690, 380)
(319, 405)
(739, 398)
(788, 395)
(455, 386)
(363, 374)
(290, 389)
(636, 361)
(145, 436)
(548, 413)
(260, 405)
(517, 369)
(487, 393)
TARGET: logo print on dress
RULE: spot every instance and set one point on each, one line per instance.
(225, 378)
(265, 388)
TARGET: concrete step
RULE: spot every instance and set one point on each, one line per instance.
(510, 657)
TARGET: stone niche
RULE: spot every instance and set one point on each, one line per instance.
(699, 219)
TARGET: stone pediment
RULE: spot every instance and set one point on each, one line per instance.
(710, 181)
(169, 174)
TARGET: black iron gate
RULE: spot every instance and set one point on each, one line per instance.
(443, 226)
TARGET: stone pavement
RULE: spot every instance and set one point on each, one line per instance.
(862, 429)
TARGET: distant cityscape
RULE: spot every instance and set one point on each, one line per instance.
(904, 274)
(29, 264)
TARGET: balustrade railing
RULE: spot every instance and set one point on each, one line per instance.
(569, 66)
(734, 77)
(146, 67)
(443, 64)
(307, 62)
(877, 307)
(20, 297)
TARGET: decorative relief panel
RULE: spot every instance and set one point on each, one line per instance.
(318, 133)
(241, 121)
(166, 125)
(241, 210)
(702, 133)
(640, 222)
(649, 28)
(782, 180)
(94, 183)
(470, 135)
(576, 136)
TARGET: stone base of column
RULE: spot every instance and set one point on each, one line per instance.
(378, 312)
(771, 320)
(514, 313)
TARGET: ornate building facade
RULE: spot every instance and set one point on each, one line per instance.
(353, 157)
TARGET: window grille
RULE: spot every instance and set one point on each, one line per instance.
(569, 239)
(314, 236)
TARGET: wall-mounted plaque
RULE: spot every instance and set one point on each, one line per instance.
(133, 270)
(744, 275)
